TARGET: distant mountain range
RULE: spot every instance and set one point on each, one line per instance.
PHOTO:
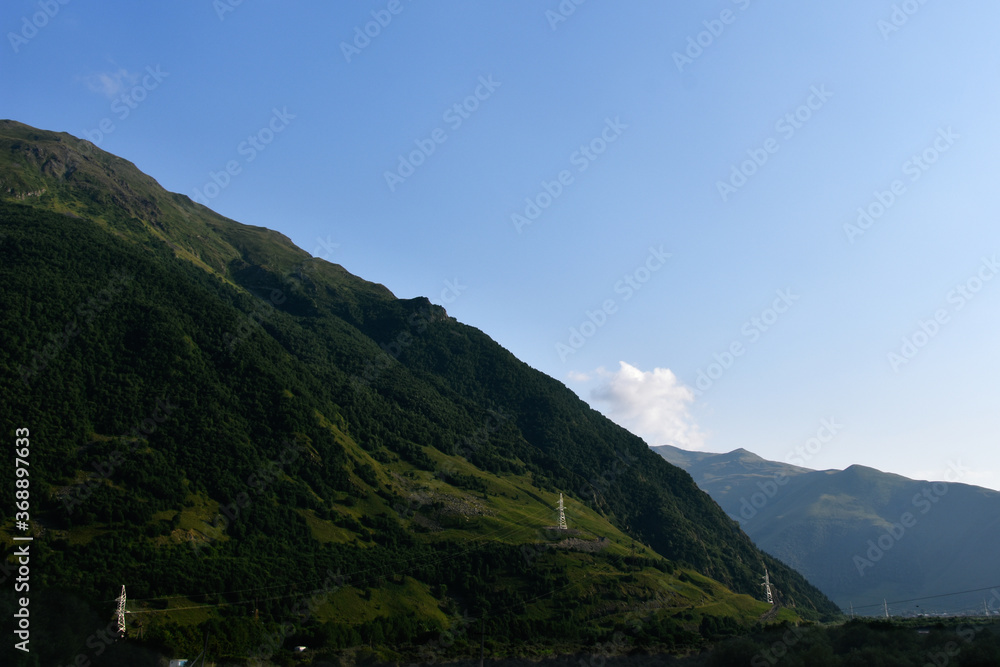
(859, 534)
(227, 425)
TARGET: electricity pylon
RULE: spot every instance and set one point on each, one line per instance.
(562, 514)
(121, 613)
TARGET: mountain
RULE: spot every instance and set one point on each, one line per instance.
(268, 451)
(859, 534)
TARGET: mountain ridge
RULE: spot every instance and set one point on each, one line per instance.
(417, 441)
(861, 533)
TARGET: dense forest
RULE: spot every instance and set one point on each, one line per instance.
(245, 435)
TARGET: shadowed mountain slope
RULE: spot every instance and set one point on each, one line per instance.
(859, 534)
(222, 423)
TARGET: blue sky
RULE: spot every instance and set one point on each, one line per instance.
(679, 186)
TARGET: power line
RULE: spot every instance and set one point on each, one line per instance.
(930, 597)
(472, 544)
(280, 597)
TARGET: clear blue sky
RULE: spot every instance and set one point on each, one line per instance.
(620, 130)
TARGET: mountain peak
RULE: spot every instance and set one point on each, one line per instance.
(316, 422)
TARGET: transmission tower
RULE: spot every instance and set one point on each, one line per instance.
(562, 514)
(121, 613)
(885, 605)
(767, 587)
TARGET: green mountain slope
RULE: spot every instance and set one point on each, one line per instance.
(859, 534)
(225, 424)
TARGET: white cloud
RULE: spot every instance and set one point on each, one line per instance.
(111, 83)
(576, 376)
(654, 405)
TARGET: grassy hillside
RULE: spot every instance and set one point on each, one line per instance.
(225, 425)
